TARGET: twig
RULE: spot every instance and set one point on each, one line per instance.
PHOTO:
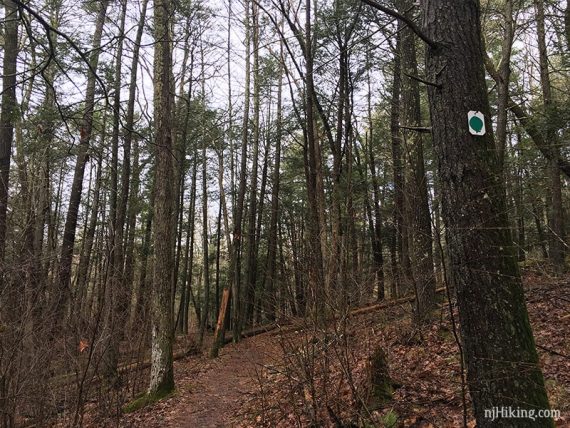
(421, 129)
(552, 351)
(425, 82)
(455, 335)
(411, 24)
(76, 48)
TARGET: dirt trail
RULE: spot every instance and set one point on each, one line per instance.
(218, 393)
(209, 392)
(225, 392)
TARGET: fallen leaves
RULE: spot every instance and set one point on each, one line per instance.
(276, 391)
(427, 370)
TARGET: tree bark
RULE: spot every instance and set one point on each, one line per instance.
(538, 215)
(270, 271)
(220, 331)
(235, 261)
(503, 83)
(116, 299)
(7, 116)
(161, 371)
(419, 219)
(205, 252)
(81, 284)
(497, 338)
(130, 187)
(317, 227)
(401, 246)
(63, 291)
(377, 224)
(251, 256)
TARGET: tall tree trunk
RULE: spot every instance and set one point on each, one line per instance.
(235, 261)
(556, 219)
(377, 228)
(220, 331)
(519, 199)
(205, 252)
(218, 242)
(251, 257)
(399, 202)
(352, 268)
(334, 274)
(270, 271)
(161, 371)
(116, 300)
(230, 109)
(143, 292)
(63, 291)
(188, 260)
(419, 236)
(81, 284)
(497, 338)
(255, 315)
(503, 84)
(130, 188)
(182, 120)
(537, 213)
(7, 116)
(440, 252)
(317, 227)
(189, 269)
(132, 212)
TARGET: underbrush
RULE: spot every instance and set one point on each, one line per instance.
(337, 375)
(324, 377)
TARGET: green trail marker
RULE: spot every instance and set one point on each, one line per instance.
(476, 123)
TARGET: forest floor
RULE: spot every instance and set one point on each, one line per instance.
(276, 378)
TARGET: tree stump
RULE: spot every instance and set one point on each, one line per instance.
(382, 386)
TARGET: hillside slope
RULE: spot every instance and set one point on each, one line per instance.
(279, 378)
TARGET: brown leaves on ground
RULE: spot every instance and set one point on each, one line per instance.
(424, 364)
(548, 302)
(292, 377)
(83, 345)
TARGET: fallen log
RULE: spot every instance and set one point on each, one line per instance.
(298, 323)
(284, 327)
